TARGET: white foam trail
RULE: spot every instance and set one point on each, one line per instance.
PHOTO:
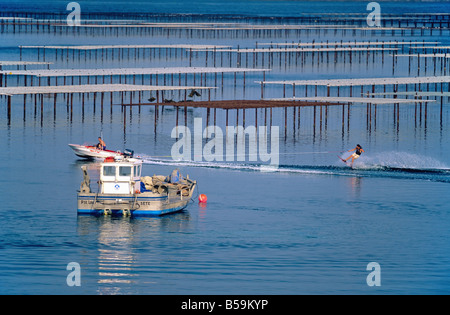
(232, 166)
(397, 159)
(378, 162)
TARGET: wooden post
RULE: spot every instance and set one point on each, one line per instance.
(271, 116)
(285, 121)
(82, 102)
(111, 102)
(95, 100)
(101, 102)
(71, 105)
(244, 86)
(54, 105)
(9, 109)
(24, 106)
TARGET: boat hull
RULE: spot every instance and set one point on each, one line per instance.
(90, 152)
(145, 204)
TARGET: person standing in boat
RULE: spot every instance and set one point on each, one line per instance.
(358, 151)
(101, 144)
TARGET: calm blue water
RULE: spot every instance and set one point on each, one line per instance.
(274, 8)
(309, 227)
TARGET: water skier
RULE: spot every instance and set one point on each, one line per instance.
(358, 151)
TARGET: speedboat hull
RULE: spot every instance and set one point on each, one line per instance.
(91, 152)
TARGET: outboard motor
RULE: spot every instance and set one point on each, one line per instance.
(128, 153)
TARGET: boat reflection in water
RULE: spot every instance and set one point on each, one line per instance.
(129, 251)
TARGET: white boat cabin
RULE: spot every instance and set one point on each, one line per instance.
(120, 177)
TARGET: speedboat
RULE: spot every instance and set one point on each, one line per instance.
(122, 190)
(92, 152)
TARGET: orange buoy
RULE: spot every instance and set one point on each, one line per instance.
(202, 198)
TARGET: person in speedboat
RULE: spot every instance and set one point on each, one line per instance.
(101, 144)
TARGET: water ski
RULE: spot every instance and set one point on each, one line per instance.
(342, 159)
(351, 166)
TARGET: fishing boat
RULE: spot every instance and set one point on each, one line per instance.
(92, 152)
(122, 190)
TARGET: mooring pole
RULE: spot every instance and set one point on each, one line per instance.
(9, 109)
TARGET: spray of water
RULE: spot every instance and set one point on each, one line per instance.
(399, 160)
(379, 161)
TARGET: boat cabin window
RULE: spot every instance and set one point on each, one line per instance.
(121, 173)
(125, 171)
(109, 171)
(137, 171)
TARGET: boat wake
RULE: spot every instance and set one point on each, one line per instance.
(390, 165)
(401, 160)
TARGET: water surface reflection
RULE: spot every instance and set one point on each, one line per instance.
(124, 248)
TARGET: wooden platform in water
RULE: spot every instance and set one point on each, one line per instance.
(237, 104)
